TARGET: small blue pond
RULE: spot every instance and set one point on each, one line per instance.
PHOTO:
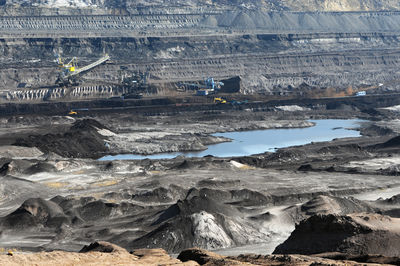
(258, 141)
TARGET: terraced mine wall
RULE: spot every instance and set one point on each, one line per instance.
(334, 50)
(234, 20)
(266, 63)
(174, 106)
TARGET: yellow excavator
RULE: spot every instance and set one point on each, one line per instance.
(219, 100)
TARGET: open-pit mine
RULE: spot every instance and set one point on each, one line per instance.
(114, 122)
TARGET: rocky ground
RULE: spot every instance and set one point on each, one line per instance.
(110, 254)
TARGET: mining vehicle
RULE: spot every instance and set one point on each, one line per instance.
(209, 86)
(219, 100)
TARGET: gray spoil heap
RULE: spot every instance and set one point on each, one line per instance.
(359, 234)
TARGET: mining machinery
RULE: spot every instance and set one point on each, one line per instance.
(70, 72)
(209, 86)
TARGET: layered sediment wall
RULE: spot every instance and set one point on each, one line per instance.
(266, 63)
(272, 52)
(200, 21)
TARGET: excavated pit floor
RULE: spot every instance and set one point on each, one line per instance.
(248, 203)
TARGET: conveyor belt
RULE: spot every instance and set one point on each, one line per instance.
(88, 67)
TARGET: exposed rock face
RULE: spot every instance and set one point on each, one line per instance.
(353, 234)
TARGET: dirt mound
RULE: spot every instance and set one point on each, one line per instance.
(185, 165)
(173, 236)
(391, 145)
(102, 246)
(393, 204)
(96, 210)
(392, 201)
(160, 194)
(203, 257)
(87, 124)
(247, 197)
(305, 167)
(337, 149)
(334, 205)
(285, 155)
(34, 212)
(267, 216)
(393, 142)
(67, 203)
(89, 209)
(216, 194)
(195, 202)
(352, 234)
(5, 168)
(243, 20)
(14, 166)
(60, 210)
(375, 130)
(201, 221)
(218, 183)
(80, 140)
(209, 21)
(190, 164)
(40, 167)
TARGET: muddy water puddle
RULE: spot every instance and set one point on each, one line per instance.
(259, 141)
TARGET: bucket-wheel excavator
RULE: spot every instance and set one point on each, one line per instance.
(70, 72)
